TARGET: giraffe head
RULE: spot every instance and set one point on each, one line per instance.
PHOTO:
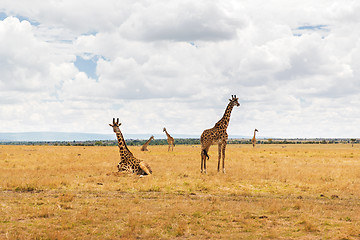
(115, 125)
(152, 137)
(256, 130)
(234, 100)
(164, 129)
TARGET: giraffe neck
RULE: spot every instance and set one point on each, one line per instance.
(168, 135)
(124, 151)
(148, 141)
(224, 121)
(254, 133)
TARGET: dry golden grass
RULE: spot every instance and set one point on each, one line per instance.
(271, 192)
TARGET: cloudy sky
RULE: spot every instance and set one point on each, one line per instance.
(71, 66)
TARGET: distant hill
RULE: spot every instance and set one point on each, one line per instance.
(71, 136)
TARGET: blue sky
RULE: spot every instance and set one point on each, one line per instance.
(72, 66)
(315, 28)
(3, 15)
(87, 66)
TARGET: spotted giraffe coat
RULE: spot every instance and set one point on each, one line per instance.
(128, 163)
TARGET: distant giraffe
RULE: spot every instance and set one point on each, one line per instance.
(170, 140)
(144, 147)
(253, 140)
(128, 163)
(218, 135)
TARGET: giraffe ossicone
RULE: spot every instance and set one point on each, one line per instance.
(217, 135)
(128, 163)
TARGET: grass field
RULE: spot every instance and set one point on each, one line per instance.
(271, 192)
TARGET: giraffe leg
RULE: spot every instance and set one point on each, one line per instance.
(202, 160)
(223, 156)
(145, 167)
(121, 167)
(219, 150)
(205, 165)
(204, 155)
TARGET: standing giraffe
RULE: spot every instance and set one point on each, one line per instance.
(128, 163)
(170, 140)
(144, 147)
(218, 135)
(253, 140)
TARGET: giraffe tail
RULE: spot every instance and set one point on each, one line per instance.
(146, 168)
(205, 153)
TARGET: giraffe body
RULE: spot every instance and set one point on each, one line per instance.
(170, 140)
(217, 135)
(128, 163)
(253, 140)
(144, 147)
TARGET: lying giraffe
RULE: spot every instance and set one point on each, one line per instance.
(170, 140)
(218, 135)
(144, 147)
(128, 163)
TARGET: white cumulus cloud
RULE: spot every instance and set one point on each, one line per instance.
(293, 65)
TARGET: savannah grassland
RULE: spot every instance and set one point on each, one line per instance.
(271, 192)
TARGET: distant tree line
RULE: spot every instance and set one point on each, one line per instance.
(183, 141)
